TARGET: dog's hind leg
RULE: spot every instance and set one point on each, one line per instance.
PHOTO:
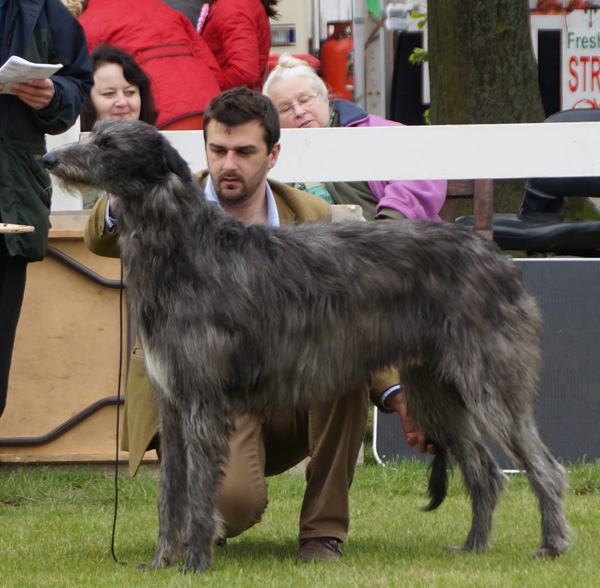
(438, 409)
(172, 501)
(483, 479)
(206, 429)
(548, 481)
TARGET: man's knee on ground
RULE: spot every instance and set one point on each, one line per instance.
(241, 507)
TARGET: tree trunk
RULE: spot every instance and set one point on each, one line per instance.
(481, 62)
(482, 70)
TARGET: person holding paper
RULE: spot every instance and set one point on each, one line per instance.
(40, 31)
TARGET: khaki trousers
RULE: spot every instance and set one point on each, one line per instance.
(330, 435)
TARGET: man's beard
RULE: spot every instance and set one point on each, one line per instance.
(240, 193)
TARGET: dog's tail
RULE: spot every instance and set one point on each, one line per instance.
(438, 479)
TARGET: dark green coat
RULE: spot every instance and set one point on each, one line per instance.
(41, 31)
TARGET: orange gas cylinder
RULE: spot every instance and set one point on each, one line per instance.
(337, 61)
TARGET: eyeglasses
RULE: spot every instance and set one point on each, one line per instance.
(288, 108)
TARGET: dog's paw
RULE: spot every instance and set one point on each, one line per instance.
(548, 552)
(166, 553)
(463, 549)
(142, 567)
(198, 561)
(456, 549)
(198, 568)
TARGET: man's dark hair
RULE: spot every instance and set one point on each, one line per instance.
(132, 72)
(242, 105)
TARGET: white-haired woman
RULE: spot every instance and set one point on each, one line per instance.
(302, 101)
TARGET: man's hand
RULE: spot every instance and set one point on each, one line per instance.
(397, 404)
(36, 93)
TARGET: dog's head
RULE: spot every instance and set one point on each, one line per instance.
(124, 158)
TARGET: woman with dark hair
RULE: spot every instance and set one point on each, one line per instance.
(239, 34)
(121, 89)
(185, 74)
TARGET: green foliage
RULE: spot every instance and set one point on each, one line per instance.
(417, 14)
(56, 530)
(501, 29)
(418, 56)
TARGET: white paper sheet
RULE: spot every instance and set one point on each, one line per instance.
(19, 70)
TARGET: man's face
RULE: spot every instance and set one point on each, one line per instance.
(238, 161)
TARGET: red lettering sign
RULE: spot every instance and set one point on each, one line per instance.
(573, 84)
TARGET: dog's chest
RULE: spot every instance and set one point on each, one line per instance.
(158, 374)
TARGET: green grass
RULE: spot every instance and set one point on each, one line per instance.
(55, 530)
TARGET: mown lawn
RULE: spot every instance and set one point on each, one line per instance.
(55, 530)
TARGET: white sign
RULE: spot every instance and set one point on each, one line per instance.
(580, 68)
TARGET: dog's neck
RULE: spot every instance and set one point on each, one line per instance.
(248, 213)
(160, 205)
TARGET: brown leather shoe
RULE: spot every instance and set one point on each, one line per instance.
(319, 548)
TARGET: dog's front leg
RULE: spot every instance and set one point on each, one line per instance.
(172, 501)
(206, 430)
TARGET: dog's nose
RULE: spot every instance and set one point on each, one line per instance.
(49, 160)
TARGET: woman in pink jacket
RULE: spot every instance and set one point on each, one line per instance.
(301, 98)
(185, 74)
(239, 34)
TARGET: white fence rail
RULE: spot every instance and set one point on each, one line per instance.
(425, 152)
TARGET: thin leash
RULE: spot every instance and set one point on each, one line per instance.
(114, 526)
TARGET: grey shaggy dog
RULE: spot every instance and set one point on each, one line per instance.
(251, 318)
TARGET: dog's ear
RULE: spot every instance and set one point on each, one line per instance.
(174, 162)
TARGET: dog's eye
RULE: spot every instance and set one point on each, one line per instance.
(106, 143)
